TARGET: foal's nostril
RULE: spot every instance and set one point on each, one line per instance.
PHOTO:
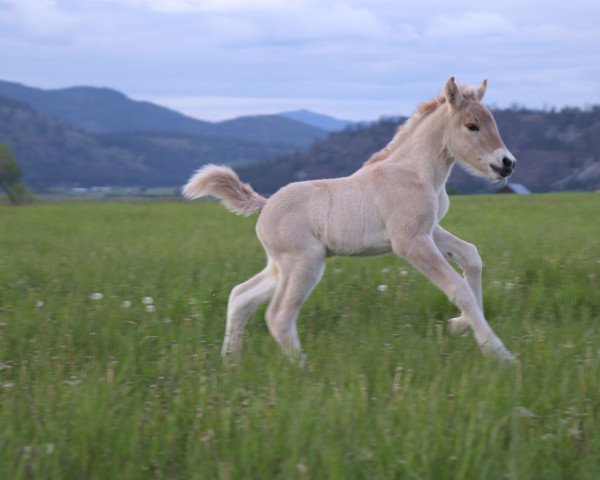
(508, 163)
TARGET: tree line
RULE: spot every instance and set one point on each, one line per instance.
(10, 178)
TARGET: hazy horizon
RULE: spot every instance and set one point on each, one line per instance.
(249, 108)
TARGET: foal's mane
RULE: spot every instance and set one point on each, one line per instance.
(424, 109)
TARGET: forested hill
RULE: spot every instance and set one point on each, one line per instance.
(556, 150)
(51, 153)
(104, 110)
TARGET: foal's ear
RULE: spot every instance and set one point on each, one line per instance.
(481, 89)
(452, 93)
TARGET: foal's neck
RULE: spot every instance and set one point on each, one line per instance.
(423, 150)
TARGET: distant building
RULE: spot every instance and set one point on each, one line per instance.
(514, 188)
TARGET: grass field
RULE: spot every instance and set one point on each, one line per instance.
(116, 388)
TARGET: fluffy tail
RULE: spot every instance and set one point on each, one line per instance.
(224, 184)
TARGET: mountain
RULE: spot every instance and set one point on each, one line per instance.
(51, 153)
(100, 110)
(270, 129)
(324, 122)
(103, 110)
(556, 150)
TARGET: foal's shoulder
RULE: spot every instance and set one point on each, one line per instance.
(395, 176)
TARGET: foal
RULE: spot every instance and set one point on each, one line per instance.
(393, 203)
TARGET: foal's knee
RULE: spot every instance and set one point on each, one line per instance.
(473, 261)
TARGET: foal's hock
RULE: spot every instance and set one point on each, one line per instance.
(393, 203)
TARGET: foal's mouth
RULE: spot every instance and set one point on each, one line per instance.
(503, 172)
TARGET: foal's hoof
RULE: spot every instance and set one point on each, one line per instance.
(499, 351)
(458, 325)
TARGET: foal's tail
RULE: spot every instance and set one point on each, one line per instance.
(224, 184)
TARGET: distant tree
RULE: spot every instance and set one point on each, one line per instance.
(10, 178)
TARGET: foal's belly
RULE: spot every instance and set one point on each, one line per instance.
(354, 242)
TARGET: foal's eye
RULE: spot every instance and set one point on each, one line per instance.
(472, 127)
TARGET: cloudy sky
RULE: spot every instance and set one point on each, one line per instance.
(354, 59)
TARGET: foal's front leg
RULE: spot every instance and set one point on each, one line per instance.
(466, 256)
(423, 253)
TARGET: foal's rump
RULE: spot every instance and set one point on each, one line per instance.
(292, 218)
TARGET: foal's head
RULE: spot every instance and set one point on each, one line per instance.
(472, 135)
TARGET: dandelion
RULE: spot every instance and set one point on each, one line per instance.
(96, 296)
(382, 288)
(576, 433)
(524, 412)
(147, 300)
(150, 308)
(126, 304)
(39, 303)
(29, 451)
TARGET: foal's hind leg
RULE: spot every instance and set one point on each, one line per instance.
(298, 275)
(244, 300)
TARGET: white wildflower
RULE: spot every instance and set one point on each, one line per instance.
(403, 273)
(96, 296)
(39, 303)
(147, 300)
(150, 308)
(385, 270)
(382, 288)
(524, 412)
(509, 285)
(126, 304)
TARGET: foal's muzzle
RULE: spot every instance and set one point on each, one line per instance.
(507, 168)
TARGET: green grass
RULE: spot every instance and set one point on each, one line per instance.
(90, 389)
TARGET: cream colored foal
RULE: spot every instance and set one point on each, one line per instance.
(393, 203)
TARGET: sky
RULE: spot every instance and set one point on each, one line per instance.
(353, 59)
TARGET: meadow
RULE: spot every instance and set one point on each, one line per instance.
(112, 316)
